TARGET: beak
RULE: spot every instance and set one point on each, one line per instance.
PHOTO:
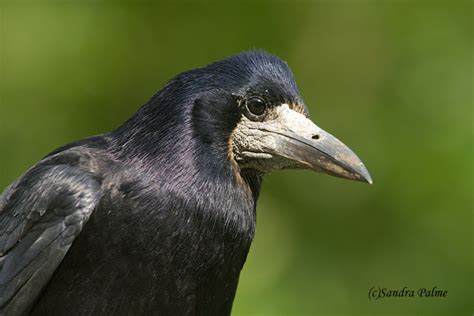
(322, 152)
(296, 140)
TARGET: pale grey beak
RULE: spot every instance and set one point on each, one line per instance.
(322, 152)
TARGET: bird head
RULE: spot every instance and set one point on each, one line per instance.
(245, 112)
(267, 125)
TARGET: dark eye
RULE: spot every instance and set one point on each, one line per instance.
(256, 106)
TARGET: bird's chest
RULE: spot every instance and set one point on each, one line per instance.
(179, 237)
(157, 258)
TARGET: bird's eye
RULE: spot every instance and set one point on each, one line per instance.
(256, 106)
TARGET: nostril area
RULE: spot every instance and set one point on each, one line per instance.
(315, 136)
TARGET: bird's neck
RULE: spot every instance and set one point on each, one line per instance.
(198, 177)
(187, 154)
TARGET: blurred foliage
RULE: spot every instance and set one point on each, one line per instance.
(392, 79)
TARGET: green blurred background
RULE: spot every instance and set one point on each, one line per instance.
(392, 79)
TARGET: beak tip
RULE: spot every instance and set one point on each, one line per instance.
(364, 176)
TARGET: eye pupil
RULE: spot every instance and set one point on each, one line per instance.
(256, 106)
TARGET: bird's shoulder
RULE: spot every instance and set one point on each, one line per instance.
(41, 213)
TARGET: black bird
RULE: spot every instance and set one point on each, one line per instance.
(157, 216)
